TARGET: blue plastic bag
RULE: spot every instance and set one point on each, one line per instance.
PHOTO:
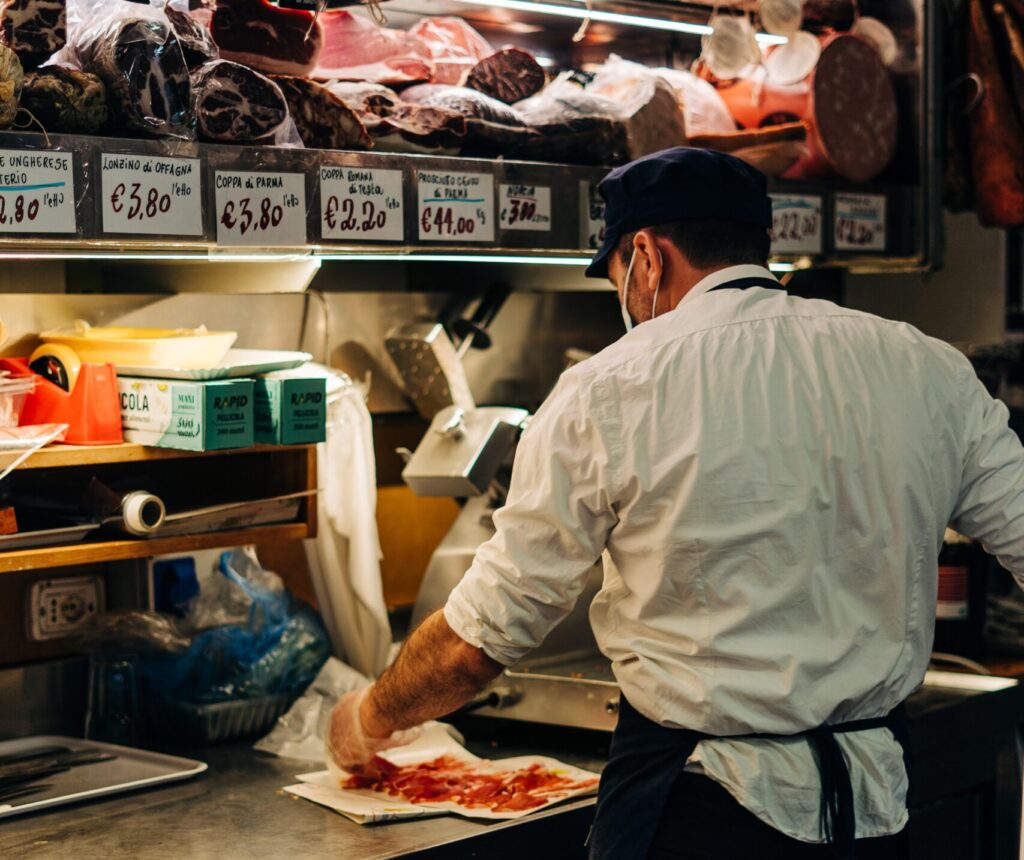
(278, 648)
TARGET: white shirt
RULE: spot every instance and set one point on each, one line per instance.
(768, 480)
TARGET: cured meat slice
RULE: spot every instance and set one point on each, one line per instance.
(33, 29)
(773, 150)
(509, 75)
(323, 120)
(65, 100)
(455, 46)
(474, 785)
(141, 63)
(492, 127)
(356, 49)
(236, 104)
(196, 41)
(275, 41)
(399, 127)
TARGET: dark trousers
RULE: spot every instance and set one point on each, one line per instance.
(702, 821)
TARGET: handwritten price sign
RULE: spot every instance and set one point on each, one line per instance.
(456, 206)
(261, 209)
(361, 203)
(860, 222)
(525, 207)
(153, 196)
(591, 217)
(37, 192)
(796, 224)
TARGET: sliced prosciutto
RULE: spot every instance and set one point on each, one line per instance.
(455, 46)
(356, 49)
(271, 40)
(474, 785)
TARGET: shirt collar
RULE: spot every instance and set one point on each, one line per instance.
(722, 276)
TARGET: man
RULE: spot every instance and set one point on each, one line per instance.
(768, 480)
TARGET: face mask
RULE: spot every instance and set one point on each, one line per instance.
(626, 318)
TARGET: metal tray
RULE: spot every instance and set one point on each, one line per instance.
(236, 364)
(47, 537)
(131, 769)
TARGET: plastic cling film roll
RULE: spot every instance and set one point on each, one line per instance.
(142, 513)
(57, 363)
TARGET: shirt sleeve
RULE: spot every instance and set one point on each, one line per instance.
(550, 532)
(990, 506)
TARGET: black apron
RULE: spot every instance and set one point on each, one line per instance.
(647, 758)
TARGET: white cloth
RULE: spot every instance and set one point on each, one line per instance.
(768, 479)
(344, 557)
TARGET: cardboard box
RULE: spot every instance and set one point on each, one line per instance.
(290, 409)
(192, 416)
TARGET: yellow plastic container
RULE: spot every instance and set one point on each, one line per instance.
(145, 347)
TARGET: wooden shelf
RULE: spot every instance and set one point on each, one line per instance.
(62, 456)
(119, 550)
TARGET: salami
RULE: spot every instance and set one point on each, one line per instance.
(236, 104)
(470, 784)
(323, 120)
(997, 143)
(66, 100)
(33, 29)
(141, 64)
(509, 75)
(12, 79)
(271, 40)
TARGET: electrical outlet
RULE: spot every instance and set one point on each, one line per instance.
(60, 607)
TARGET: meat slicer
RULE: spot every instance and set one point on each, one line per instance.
(467, 454)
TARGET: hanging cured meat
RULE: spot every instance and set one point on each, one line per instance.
(271, 40)
(323, 120)
(509, 75)
(454, 45)
(33, 29)
(66, 100)
(356, 49)
(848, 101)
(997, 143)
(235, 104)
(141, 63)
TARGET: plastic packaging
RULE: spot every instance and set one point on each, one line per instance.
(277, 649)
(704, 110)
(13, 391)
(236, 104)
(454, 45)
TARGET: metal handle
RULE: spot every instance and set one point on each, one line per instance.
(454, 426)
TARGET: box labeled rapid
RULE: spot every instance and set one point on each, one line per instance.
(192, 416)
(290, 409)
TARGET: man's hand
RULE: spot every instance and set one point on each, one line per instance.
(350, 743)
(435, 673)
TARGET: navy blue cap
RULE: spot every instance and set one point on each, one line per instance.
(678, 184)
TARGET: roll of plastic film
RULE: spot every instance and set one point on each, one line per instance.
(57, 363)
(142, 513)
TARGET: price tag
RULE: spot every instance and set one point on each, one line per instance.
(525, 207)
(256, 208)
(456, 206)
(591, 217)
(37, 192)
(860, 222)
(150, 195)
(796, 224)
(361, 203)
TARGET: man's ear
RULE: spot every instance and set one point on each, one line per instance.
(650, 256)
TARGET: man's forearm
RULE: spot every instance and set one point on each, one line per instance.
(435, 673)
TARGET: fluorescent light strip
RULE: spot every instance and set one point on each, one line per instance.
(456, 258)
(614, 18)
(178, 257)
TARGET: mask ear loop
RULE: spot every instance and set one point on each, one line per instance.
(657, 289)
(626, 318)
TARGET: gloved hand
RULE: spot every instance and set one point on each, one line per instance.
(348, 745)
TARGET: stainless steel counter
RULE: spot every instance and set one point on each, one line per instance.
(237, 809)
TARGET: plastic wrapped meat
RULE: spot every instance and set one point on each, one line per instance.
(66, 101)
(509, 75)
(12, 79)
(396, 126)
(235, 104)
(272, 40)
(492, 127)
(34, 29)
(356, 49)
(323, 120)
(455, 47)
(572, 125)
(195, 39)
(704, 110)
